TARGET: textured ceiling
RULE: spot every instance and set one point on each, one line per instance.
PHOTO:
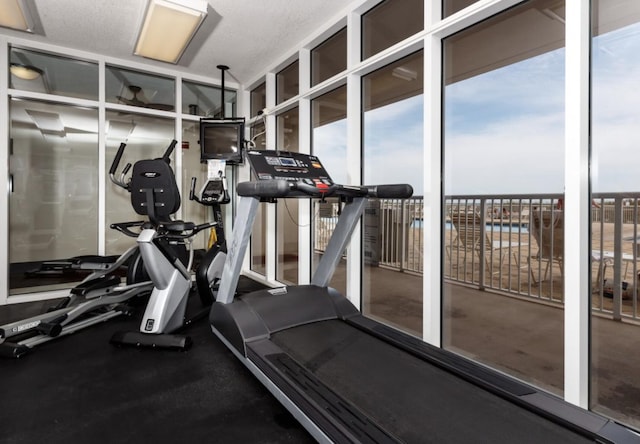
(248, 35)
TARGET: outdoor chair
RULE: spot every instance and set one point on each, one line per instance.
(547, 228)
(470, 228)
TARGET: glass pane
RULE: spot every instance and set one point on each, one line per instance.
(329, 143)
(146, 137)
(329, 58)
(204, 100)
(258, 99)
(389, 23)
(51, 74)
(450, 7)
(287, 209)
(192, 211)
(258, 136)
(259, 241)
(615, 377)
(393, 153)
(287, 83)
(259, 233)
(134, 88)
(53, 204)
(504, 135)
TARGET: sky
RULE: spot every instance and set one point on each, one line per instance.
(504, 129)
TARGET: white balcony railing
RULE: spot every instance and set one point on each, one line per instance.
(511, 244)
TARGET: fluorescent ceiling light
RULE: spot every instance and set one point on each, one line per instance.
(168, 27)
(25, 72)
(15, 15)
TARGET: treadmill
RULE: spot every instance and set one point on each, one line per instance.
(349, 379)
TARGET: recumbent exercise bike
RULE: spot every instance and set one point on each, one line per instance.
(154, 193)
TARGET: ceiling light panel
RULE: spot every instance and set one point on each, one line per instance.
(168, 28)
(14, 14)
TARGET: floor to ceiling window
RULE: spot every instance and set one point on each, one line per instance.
(287, 224)
(392, 152)
(258, 138)
(329, 143)
(615, 369)
(504, 138)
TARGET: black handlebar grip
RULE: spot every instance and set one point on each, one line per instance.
(396, 191)
(192, 191)
(167, 153)
(126, 169)
(116, 160)
(265, 188)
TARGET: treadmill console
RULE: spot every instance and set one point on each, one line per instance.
(286, 165)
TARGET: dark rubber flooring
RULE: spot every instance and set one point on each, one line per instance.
(80, 389)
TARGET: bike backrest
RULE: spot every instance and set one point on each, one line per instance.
(154, 191)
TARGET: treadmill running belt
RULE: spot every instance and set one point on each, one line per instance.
(416, 401)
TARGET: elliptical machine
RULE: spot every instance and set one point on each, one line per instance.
(99, 297)
(154, 193)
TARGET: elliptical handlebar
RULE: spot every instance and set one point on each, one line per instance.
(121, 180)
(169, 150)
(192, 191)
(114, 167)
(116, 160)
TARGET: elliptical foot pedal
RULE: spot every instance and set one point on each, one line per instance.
(11, 350)
(148, 340)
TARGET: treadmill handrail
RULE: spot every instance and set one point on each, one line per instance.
(280, 188)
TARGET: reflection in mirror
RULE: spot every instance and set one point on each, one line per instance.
(53, 206)
(204, 100)
(135, 88)
(52, 74)
(146, 137)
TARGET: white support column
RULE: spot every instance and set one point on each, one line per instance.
(4, 171)
(243, 173)
(102, 163)
(432, 246)
(304, 146)
(354, 177)
(177, 152)
(577, 205)
(354, 155)
(304, 205)
(270, 209)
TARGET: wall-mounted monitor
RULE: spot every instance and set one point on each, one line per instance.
(222, 139)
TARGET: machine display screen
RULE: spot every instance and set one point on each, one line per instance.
(287, 165)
